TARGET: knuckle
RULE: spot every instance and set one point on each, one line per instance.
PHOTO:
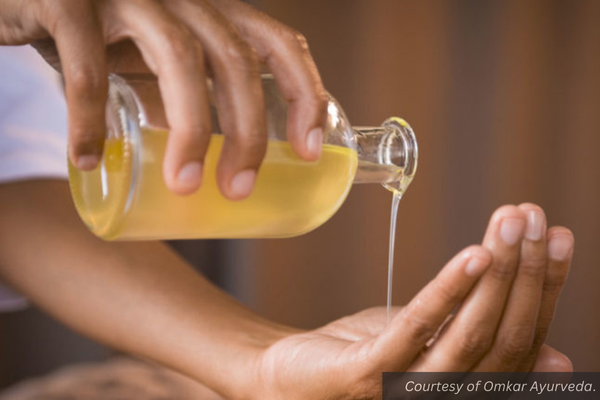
(296, 40)
(554, 285)
(241, 55)
(86, 82)
(180, 45)
(515, 345)
(445, 291)
(503, 271)
(316, 98)
(56, 15)
(66, 7)
(252, 144)
(420, 328)
(320, 100)
(246, 135)
(533, 266)
(475, 344)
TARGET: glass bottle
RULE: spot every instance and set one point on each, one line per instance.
(125, 197)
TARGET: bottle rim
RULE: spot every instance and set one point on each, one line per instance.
(103, 197)
(126, 107)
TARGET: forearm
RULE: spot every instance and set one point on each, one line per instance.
(138, 297)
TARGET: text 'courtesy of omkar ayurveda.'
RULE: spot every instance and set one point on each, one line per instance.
(539, 386)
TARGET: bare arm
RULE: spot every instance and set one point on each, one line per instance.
(138, 297)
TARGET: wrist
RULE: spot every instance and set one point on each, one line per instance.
(235, 373)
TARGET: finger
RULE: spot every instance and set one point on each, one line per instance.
(22, 23)
(287, 55)
(472, 332)
(173, 54)
(552, 360)
(560, 252)
(238, 95)
(411, 329)
(514, 338)
(80, 44)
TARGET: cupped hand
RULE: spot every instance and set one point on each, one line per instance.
(182, 42)
(506, 290)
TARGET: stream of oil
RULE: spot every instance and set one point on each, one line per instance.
(393, 218)
(397, 189)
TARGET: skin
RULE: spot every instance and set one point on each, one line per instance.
(142, 298)
(125, 294)
(182, 42)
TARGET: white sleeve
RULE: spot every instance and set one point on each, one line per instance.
(33, 124)
(33, 128)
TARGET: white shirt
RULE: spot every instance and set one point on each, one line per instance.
(33, 127)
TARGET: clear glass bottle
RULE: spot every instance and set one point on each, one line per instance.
(125, 198)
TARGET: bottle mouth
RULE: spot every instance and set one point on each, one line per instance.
(402, 149)
(387, 154)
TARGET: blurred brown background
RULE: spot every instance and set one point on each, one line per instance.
(504, 97)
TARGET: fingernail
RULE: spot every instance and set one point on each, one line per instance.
(535, 225)
(475, 267)
(190, 175)
(511, 230)
(559, 247)
(314, 141)
(241, 185)
(87, 162)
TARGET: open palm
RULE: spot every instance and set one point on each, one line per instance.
(345, 358)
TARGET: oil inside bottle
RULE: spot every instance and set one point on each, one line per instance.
(128, 200)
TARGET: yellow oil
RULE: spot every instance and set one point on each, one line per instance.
(127, 198)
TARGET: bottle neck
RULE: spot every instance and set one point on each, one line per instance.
(387, 154)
